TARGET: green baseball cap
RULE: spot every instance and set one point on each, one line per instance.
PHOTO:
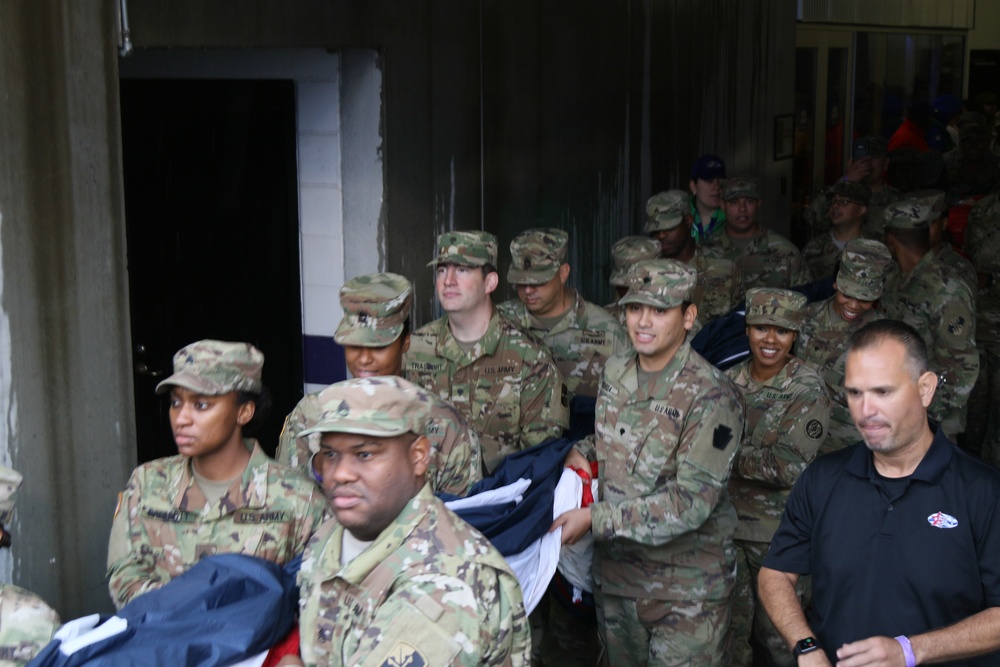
(536, 255)
(10, 482)
(778, 307)
(666, 210)
(215, 367)
(660, 283)
(375, 308)
(908, 214)
(734, 188)
(466, 248)
(383, 407)
(863, 265)
(626, 252)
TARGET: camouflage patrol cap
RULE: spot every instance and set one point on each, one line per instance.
(629, 250)
(857, 192)
(877, 146)
(973, 131)
(734, 188)
(933, 198)
(466, 248)
(665, 211)
(375, 307)
(215, 367)
(536, 255)
(908, 214)
(10, 481)
(779, 307)
(384, 406)
(660, 283)
(863, 265)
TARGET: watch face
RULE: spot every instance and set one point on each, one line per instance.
(806, 645)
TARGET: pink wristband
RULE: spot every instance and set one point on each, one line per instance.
(911, 660)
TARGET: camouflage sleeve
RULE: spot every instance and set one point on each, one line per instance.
(291, 451)
(789, 441)
(461, 465)
(544, 403)
(738, 293)
(588, 447)
(312, 518)
(466, 619)
(131, 570)
(800, 271)
(954, 357)
(709, 440)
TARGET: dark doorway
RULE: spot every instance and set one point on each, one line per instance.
(212, 221)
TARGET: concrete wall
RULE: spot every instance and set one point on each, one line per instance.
(65, 379)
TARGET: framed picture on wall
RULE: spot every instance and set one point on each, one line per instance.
(784, 136)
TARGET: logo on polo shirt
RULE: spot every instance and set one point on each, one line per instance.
(942, 520)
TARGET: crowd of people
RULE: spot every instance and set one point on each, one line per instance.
(799, 498)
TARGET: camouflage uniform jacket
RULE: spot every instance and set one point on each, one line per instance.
(26, 625)
(942, 309)
(456, 463)
(822, 343)
(719, 287)
(768, 260)
(163, 524)
(982, 242)
(580, 343)
(507, 387)
(786, 422)
(822, 254)
(663, 523)
(430, 590)
(954, 265)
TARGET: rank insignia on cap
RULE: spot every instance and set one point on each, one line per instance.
(404, 655)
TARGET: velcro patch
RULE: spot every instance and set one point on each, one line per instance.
(722, 436)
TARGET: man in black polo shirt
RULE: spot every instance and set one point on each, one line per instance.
(901, 532)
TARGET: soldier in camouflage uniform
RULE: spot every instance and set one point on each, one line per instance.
(763, 258)
(668, 427)
(222, 493)
(848, 210)
(952, 262)
(872, 172)
(498, 376)
(787, 411)
(624, 253)
(26, 622)
(375, 332)
(580, 335)
(939, 306)
(827, 327)
(719, 288)
(397, 579)
(982, 242)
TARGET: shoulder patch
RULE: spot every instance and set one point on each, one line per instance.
(404, 655)
(722, 436)
(814, 429)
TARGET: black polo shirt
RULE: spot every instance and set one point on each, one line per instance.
(893, 557)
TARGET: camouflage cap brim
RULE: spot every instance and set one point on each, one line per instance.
(529, 277)
(619, 276)
(863, 291)
(651, 300)
(199, 383)
(352, 331)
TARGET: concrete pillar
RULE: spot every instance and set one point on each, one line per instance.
(65, 377)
